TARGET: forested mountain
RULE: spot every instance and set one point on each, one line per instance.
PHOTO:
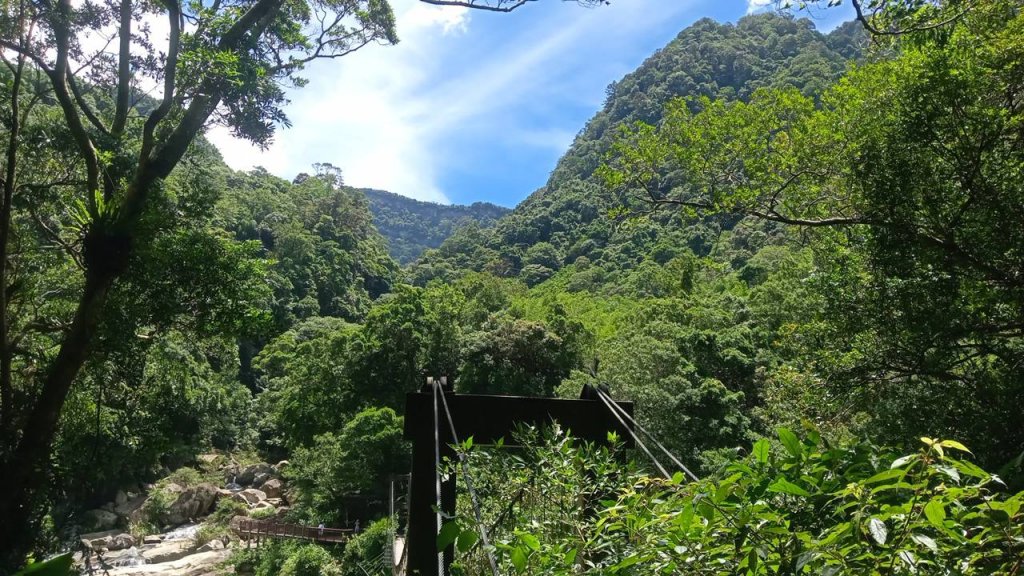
(412, 226)
(569, 216)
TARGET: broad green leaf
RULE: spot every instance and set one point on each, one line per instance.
(530, 540)
(885, 475)
(761, 450)
(786, 487)
(448, 534)
(518, 557)
(935, 513)
(878, 530)
(790, 441)
(900, 462)
(466, 540)
(925, 541)
(955, 445)
(570, 557)
(56, 566)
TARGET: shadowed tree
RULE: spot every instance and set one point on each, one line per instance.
(222, 63)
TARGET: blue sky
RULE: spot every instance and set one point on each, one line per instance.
(472, 105)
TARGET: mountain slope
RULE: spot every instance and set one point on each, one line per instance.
(412, 226)
(568, 217)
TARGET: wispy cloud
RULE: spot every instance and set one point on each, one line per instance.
(458, 84)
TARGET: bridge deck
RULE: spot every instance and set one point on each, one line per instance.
(250, 528)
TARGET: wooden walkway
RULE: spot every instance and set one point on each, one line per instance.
(253, 529)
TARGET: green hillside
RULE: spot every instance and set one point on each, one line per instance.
(568, 217)
(412, 226)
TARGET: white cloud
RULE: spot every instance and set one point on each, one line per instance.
(362, 113)
(388, 115)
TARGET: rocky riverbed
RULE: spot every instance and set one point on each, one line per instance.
(180, 549)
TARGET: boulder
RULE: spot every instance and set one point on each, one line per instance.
(127, 508)
(167, 552)
(99, 535)
(100, 519)
(251, 496)
(208, 458)
(260, 478)
(191, 503)
(121, 542)
(120, 498)
(152, 539)
(249, 473)
(273, 488)
(282, 465)
(264, 505)
(210, 546)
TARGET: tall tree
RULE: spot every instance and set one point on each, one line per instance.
(223, 62)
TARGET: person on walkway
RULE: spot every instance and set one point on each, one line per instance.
(320, 530)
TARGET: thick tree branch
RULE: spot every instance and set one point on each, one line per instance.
(84, 105)
(123, 69)
(170, 68)
(60, 22)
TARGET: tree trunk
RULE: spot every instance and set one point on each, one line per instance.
(28, 467)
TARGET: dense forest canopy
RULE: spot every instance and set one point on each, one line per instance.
(798, 253)
(412, 226)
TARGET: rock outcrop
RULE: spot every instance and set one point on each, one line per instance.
(191, 503)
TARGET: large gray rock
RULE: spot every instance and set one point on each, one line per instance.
(248, 475)
(128, 508)
(250, 496)
(210, 546)
(120, 498)
(273, 488)
(191, 503)
(99, 520)
(199, 564)
(167, 552)
(121, 542)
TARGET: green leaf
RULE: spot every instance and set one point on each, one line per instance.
(786, 487)
(790, 441)
(570, 557)
(878, 530)
(935, 513)
(955, 445)
(466, 540)
(885, 475)
(900, 462)
(449, 533)
(518, 558)
(56, 566)
(925, 541)
(761, 450)
(530, 540)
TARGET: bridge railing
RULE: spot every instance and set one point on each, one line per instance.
(259, 528)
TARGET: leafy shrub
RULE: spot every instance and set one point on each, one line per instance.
(810, 508)
(227, 508)
(209, 533)
(310, 560)
(363, 552)
(184, 477)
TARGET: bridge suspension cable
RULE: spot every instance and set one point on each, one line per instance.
(469, 482)
(620, 414)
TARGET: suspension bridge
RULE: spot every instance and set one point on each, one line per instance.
(436, 421)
